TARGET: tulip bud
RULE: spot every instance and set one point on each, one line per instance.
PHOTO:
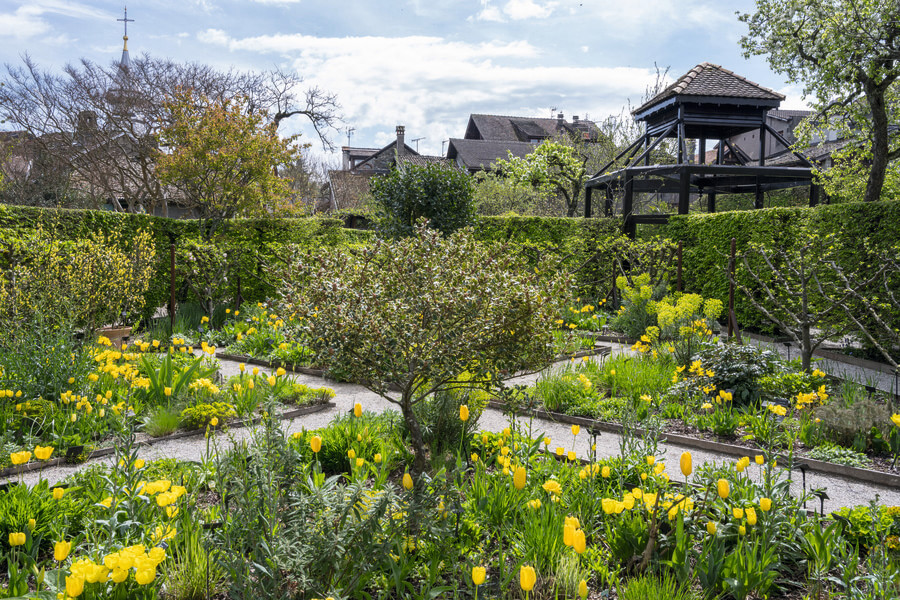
(686, 464)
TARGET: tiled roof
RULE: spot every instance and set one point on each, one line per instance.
(421, 161)
(815, 153)
(347, 189)
(707, 79)
(480, 154)
(513, 129)
(787, 114)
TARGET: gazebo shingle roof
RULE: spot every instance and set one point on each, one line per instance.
(707, 79)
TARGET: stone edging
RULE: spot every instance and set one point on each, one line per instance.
(830, 355)
(864, 475)
(271, 364)
(145, 440)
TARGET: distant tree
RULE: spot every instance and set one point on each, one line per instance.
(498, 195)
(440, 194)
(847, 55)
(552, 167)
(91, 131)
(223, 157)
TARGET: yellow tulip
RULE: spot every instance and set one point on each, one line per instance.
(16, 538)
(605, 472)
(351, 453)
(58, 493)
(43, 452)
(463, 413)
(167, 391)
(765, 504)
(711, 527)
(738, 513)
(519, 477)
(760, 459)
(377, 459)
(74, 585)
(578, 541)
(651, 460)
(895, 419)
(315, 443)
(571, 455)
(751, 516)
(686, 464)
(576, 429)
(214, 422)
(742, 530)
(478, 575)
(357, 410)
(407, 481)
(20, 458)
(723, 488)
(61, 550)
(568, 534)
(360, 462)
(527, 578)
(272, 380)
(582, 589)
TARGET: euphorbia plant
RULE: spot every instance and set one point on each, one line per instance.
(424, 314)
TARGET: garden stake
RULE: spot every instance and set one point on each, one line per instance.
(679, 266)
(172, 291)
(731, 320)
(803, 467)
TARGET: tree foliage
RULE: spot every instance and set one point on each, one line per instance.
(423, 314)
(552, 168)
(223, 156)
(442, 195)
(90, 132)
(847, 55)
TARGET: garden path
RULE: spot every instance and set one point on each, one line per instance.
(842, 492)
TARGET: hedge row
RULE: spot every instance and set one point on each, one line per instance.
(706, 239)
(256, 241)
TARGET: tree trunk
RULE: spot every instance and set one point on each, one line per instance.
(415, 434)
(875, 98)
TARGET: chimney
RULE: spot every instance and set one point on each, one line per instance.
(345, 150)
(560, 118)
(575, 119)
(401, 142)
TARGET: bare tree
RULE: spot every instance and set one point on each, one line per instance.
(99, 125)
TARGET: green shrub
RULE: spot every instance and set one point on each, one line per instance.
(367, 435)
(443, 195)
(199, 416)
(863, 426)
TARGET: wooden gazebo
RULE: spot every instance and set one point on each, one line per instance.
(707, 103)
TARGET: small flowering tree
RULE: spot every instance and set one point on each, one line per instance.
(423, 314)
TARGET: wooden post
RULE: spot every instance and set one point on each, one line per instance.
(684, 192)
(172, 290)
(628, 205)
(679, 266)
(731, 320)
(587, 202)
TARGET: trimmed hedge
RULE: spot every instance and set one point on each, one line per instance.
(706, 241)
(257, 240)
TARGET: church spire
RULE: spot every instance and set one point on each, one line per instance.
(126, 59)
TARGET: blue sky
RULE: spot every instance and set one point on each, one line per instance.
(426, 64)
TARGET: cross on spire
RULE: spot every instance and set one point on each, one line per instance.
(126, 21)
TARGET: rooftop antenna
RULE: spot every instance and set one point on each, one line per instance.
(350, 131)
(416, 140)
(553, 112)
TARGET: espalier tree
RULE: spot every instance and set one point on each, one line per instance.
(410, 317)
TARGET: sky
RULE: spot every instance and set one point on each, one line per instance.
(424, 64)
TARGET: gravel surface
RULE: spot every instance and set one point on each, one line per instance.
(842, 492)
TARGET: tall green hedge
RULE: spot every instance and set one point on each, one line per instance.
(257, 240)
(706, 239)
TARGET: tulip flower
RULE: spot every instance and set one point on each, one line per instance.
(742, 530)
(527, 578)
(751, 516)
(61, 551)
(315, 443)
(582, 589)
(407, 481)
(58, 493)
(760, 459)
(738, 513)
(43, 452)
(895, 419)
(519, 477)
(74, 585)
(16, 538)
(578, 541)
(20, 458)
(357, 410)
(686, 464)
(351, 453)
(568, 534)
(765, 504)
(576, 429)
(463, 413)
(605, 472)
(711, 528)
(723, 488)
(478, 575)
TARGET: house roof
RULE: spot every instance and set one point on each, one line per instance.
(379, 159)
(708, 79)
(347, 188)
(480, 154)
(815, 153)
(421, 161)
(788, 114)
(513, 129)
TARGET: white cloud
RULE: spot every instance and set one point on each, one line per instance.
(528, 9)
(431, 84)
(27, 22)
(585, 49)
(275, 2)
(489, 12)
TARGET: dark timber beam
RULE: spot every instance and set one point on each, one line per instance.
(587, 202)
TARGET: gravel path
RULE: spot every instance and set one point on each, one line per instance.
(841, 492)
